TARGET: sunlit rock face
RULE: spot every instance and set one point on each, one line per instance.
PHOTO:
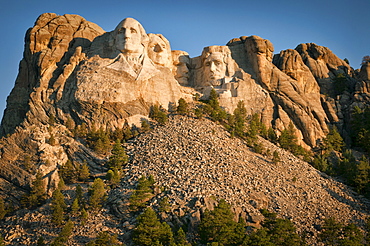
(73, 69)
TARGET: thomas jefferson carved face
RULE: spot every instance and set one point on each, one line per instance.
(214, 68)
(158, 49)
(129, 37)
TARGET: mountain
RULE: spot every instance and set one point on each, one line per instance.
(74, 77)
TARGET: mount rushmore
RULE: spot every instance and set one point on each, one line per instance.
(72, 67)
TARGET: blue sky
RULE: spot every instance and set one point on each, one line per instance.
(340, 25)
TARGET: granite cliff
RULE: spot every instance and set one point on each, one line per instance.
(75, 74)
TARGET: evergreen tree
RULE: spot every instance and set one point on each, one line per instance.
(278, 231)
(145, 126)
(105, 238)
(331, 231)
(143, 192)
(352, 235)
(157, 113)
(182, 107)
(119, 158)
(84, 215)
(75, 206)
(164, 206)
(275, 157)
(333, 141)
(150, 230)
(40, 241)
(58, 207)
(97, 193)
(361, 179)
(64, 235)
(3, 210)
(2, 243)
(218, 226)
(79, 193)
(240, 114)
(180, 238)
(84, 172)
(114, 177)
(68, 172)
(37, 195)
(288, 138)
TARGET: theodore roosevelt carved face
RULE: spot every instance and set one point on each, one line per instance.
(180, 70)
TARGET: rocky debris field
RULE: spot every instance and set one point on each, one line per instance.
(195, 161)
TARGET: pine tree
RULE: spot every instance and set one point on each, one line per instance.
(2, 243)
(333, 141)
(84, 172)
(352, 235)
(142, 193)
(331, 231)
(97, 194)
(58, 207)
(79, 193)
(3, 210)
(164, 206)
(145, 126)
(64, 235)
(240, 114)
(361, 179)
(40, 241)
(75, 206)
(180, 238)
(218, 225)
(150, 230)
(119, 158)
(275, 157)
(113, 176)
(68, 172)
(84, 215)
(182, 107)
(37, 195)
(104, 238)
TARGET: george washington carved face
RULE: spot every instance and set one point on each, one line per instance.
(130, 37)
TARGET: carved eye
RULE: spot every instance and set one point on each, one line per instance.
(217, 63)
(121, 30)
(207, 64)
(133, 30)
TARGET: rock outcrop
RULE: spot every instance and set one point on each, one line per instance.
(73, 71)
(195, 163)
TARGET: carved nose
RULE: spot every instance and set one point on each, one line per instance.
(127, 34)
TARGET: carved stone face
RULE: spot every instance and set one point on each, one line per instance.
(158, 50)
(181, 63)
(214, 68)
(128, 37)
